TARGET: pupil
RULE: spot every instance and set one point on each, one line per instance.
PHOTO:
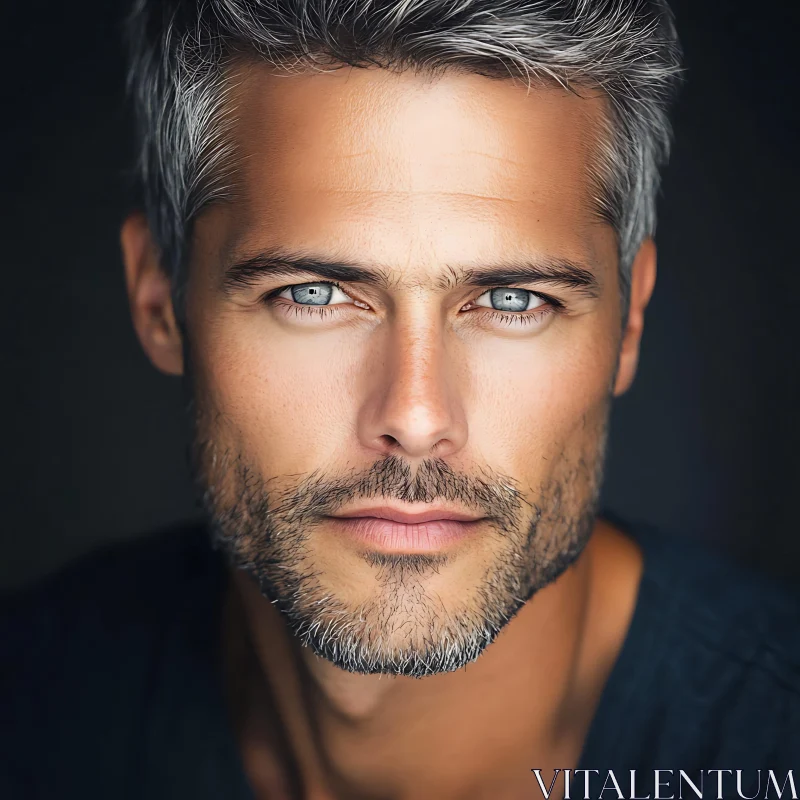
(510, 299)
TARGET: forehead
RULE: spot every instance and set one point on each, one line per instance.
(403, 169)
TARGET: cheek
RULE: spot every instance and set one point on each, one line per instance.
(540, 400)
(285, 404)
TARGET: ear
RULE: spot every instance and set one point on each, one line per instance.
(150, 297)
(643, 279)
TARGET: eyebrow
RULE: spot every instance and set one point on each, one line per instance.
(561, 272)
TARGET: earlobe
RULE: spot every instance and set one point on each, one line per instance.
(643, 278)
(150, 298)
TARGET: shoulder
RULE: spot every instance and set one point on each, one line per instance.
(710, 601)
(82, 648)
(109, 589)
(711, 668)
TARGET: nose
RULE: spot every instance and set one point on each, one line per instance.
(413, 407)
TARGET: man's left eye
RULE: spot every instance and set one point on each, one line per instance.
(315, 294)
(507, 299)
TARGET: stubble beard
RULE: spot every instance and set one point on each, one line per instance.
(402, 628)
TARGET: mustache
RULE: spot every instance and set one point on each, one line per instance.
(306, 501)
(492, 495)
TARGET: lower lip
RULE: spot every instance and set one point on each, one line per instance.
(397, 537)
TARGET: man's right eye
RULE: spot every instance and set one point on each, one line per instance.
(320, 293)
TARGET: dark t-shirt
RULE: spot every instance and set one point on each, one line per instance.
(110, 682)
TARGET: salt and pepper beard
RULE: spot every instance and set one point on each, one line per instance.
(402, 629)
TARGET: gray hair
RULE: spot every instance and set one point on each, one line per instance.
(181, 52)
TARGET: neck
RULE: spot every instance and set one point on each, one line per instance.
(527, 702)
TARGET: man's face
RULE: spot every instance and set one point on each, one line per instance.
(414, 385)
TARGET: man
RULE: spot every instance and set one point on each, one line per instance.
(400, 253)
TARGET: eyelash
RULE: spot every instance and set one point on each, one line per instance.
(505, 317)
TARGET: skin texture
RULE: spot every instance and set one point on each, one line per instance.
(299, 416)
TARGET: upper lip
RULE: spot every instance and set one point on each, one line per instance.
(396, 515)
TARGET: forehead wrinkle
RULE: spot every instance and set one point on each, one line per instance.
(373, 154)
(593, 205)
(417, 193)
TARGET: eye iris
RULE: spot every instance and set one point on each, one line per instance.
(510, 299)
(313, 294)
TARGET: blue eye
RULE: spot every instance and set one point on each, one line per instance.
(510, 299)
(507, 299)
(313, 294)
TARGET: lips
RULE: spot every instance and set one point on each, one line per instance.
(409, 518)
(393, 531)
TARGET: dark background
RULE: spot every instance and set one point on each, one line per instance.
(705, 445)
